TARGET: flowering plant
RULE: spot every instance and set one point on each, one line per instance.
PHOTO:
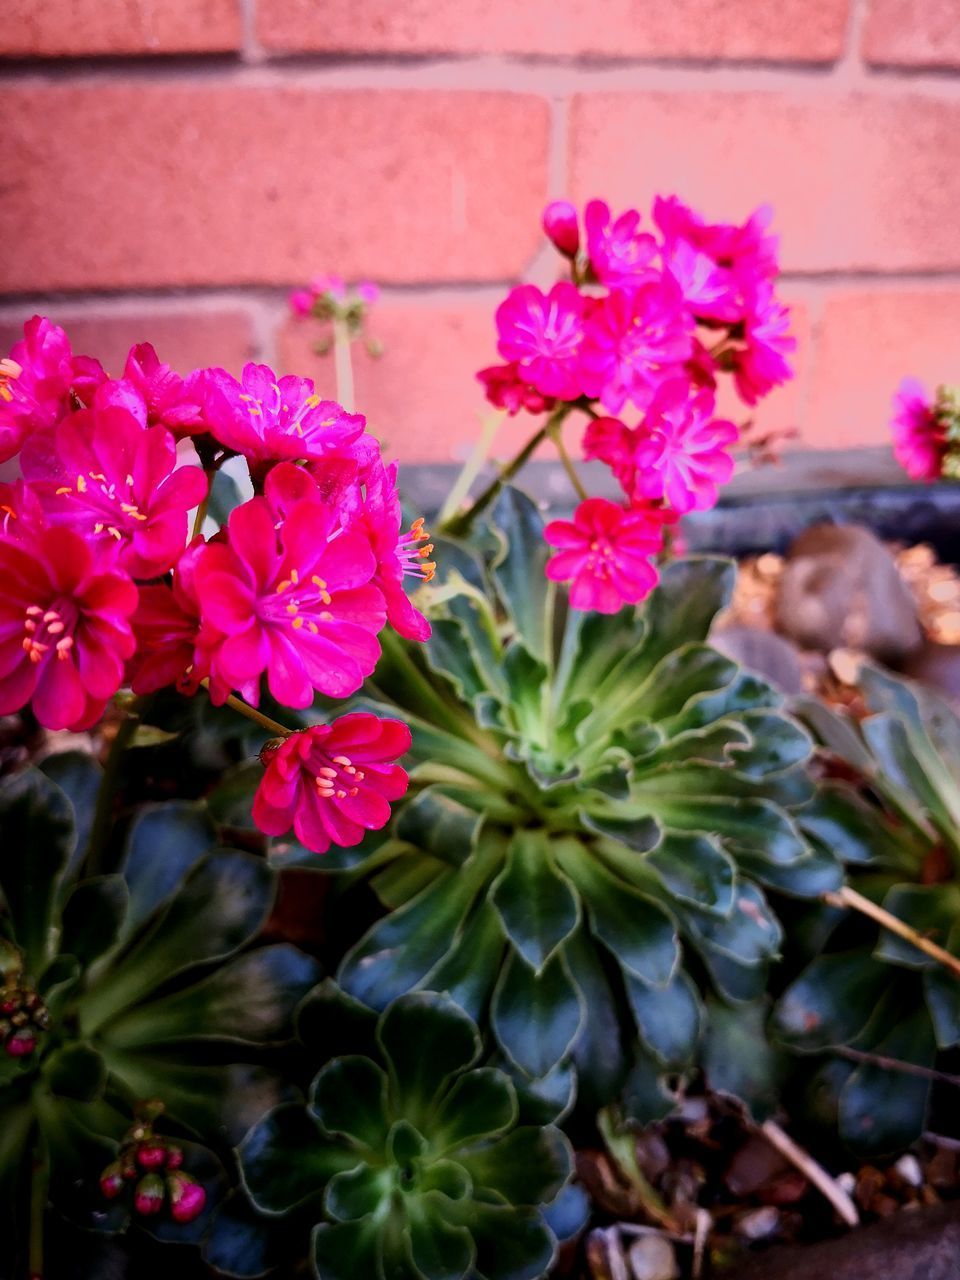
(926, 432)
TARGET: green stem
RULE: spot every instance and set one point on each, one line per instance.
(201, 515)
(460, 524)
(568, 466)
(106, 795)
(272, 726)
(489, 427)
(343, 365)
(38, 1207)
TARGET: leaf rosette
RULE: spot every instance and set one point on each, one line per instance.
(413, 1161)
(599, 803)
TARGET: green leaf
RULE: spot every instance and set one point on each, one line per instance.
(356, 1192)
(448, 654)
(637, 931)
(739, 1059)
(165, 842)
(440, 1251)
(932, 910)
(749, 935)
(93, 916)
(511, 1244)
(222, 903)
(349, 1097)
(942, 992)
(481, 1103)
(348, 1250)
(224, 496)
(536, 905)
(250, 999)
(230, 803)
(75, 1071)
(519, 569)
(884, 1110)
(857, 832)
(668, 1018)
(38, 838)
(284, 1162)
(527, 1166)
(78, 775)
(536, 1017)
(695, 870)
(426, 1039)
(598, 1051)
(469, 969)
(831, 1001)
(441, 827)
(691, 592)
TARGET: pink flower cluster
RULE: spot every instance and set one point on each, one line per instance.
(102, 583)
(919, 435)
(651, 318)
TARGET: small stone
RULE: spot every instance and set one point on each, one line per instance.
(841, 589)
(845, 665)
(908, 1168)
(763, 652)
(758, 1224)
(652, 1257)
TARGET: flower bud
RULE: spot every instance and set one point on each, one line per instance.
(151, 1156)
(560, 224)
(111, 1180)
(148, 1197)
(174, 1157)
(187, 1197)
(21, 1044)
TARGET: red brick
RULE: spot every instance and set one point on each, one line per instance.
(185, 341)
(137, 184)
(807, 30)
(868, 342)
(913, 33)
(858, 181)
(72, 28)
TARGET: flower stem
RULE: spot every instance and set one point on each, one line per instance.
(201, 515)
(557, 436)
(106, 795)
(489, 426)
(272, 726)
(847, 897)
(343, 364)
(460, 524)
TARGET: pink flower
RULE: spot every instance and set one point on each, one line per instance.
(761, 364)
(399, 555)
(187, 1197)
(711, 292)
(64, 628)
(270, 420)
(156, 395)
(634, 339)
(173, 648)
(368, 292)
(560, 225)
(505, 389)
(120, 486)
(333, 782)
(542, 334)
(606, 551)
(746, 250)
(677, 454)
(919, 442)
(21, 512)
(301, 302)
(619, 253)
(298, 604)
(36, 384)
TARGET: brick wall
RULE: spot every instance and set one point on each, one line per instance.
(170, 168)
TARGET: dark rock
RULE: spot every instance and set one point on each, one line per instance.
(913, 1244)
(763, 652)
(841, 589)
(937, 665)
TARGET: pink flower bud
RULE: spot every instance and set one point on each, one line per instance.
(174, 1157)
(21, 1044)
(111, 1180)
(151, 1156)
(301, 302)
(187, 1197)
(368, 292)
(560, 224)
(148, 1198)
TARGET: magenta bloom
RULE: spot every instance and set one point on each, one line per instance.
(560, 225)
(398, 554)
(605, 551)
(918, 436)
(542, 334)
(761, 364)
(681, 450)
(333, 782)
(746, 250)
(269, 419)
(187, 1197)
(619, 253)
(173, 648)
(505, 389)
(64, 628)
(120, 486)
(634, 339)
(298, 604)
(156, 395)
(37, 382)
(301, 302)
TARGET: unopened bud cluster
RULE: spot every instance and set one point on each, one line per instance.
(23, 1018)
(150, 1164)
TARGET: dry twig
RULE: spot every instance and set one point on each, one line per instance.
(813, 1172)
(847, 897)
